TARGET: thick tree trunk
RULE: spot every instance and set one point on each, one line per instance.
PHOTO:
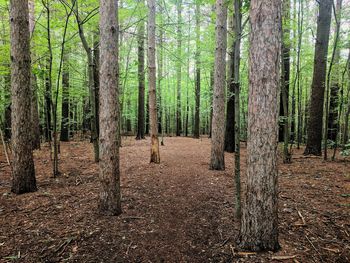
(155, 157)
(217, 160)
(64, 136)
(259, 225)
(110, 197)
(198, 75)
(314, 130)
(23, 164)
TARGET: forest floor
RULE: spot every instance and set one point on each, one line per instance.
(177, 211)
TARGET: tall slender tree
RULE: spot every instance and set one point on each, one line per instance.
(333, 79)
(285, 70)
(284, 97)
(217, 159)
(259, 225)
(179, 68)
(141, 76)
(236, 81)
(33, 84)
(230, 112)
(64, 136)
(347, 107)
(155, 157)
(89, 53)
(314, 130)
(198, 74)
(110, 197)
(23, 165)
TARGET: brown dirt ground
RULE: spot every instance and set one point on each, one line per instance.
(177, 211)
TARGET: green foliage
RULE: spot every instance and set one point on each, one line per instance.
(346, 150)
(131, 13)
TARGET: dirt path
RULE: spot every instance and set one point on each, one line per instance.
(177, 211)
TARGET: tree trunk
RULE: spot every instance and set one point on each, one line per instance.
(259, 225)
(147, 116)
(160, 78)
(210, 117)
(347, 113)
(94, 119)
(217, 160)
(64, 136)
(296, 62)
(96, 70)
(237, 123)
(33, 83)
(155, 157)
(141, 76)
(333, 125)
(178, 68)
(23, 165)
(110, 197)
(314, 130)
(198, 74)
(48, 95)
(7, 113)
(283, 134)
(230, 113)
(284, 96)
(298, 75)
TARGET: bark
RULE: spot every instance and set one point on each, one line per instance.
(155, 157)
(198, 74)
(141, 76)
(259, 225)
(314, 130)
(64, 136)
(110, 197)
(178, 68)
(217, 160)
(23, 165)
